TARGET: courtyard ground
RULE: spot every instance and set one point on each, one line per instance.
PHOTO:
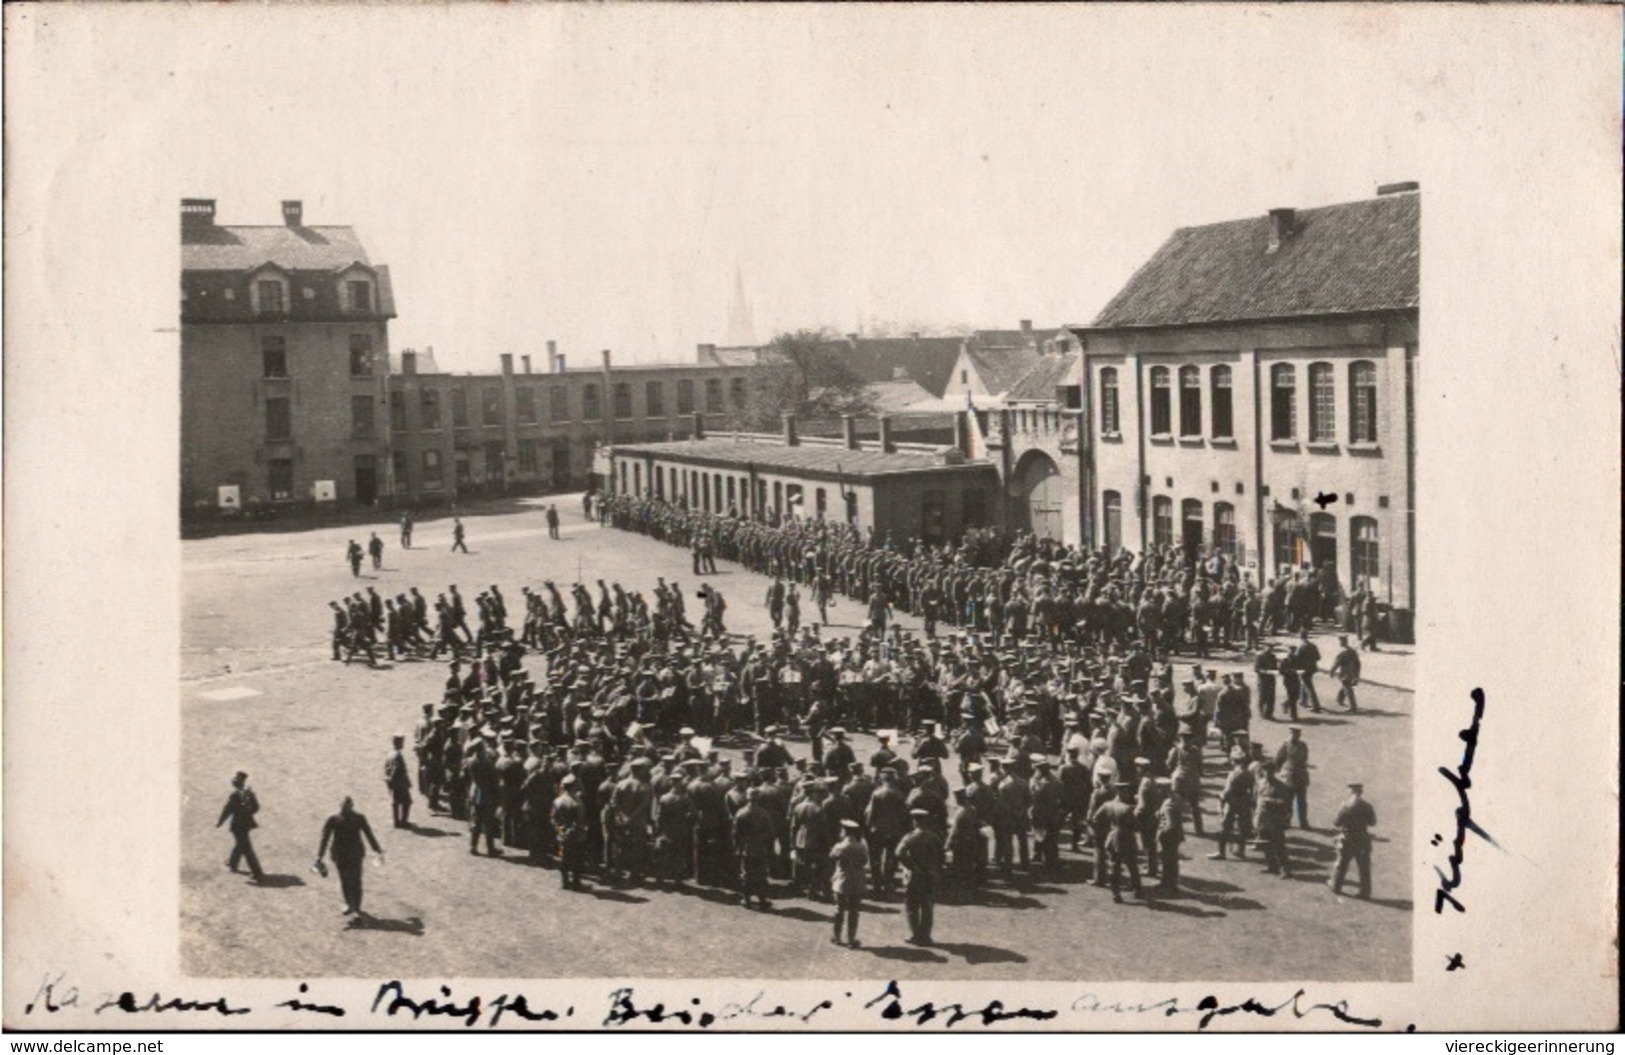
(260, 693)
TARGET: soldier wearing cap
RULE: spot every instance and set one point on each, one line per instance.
(1147, 800)
(809, 831)
(569, 818)
(920, 854)
(1010, 819)
(399, 782)
(1236, 809)
(241, 806)
(483, 796)
(884, 756)
(1170, 833)
(1346, 669)
(850, 859)
(631, 803)
(1115, 819)
(1354, 821)
(1292, 763)
(1272, 814)
(753, 845)
(886, 820)
(674, 835)
(773, 754)
(1046, 812)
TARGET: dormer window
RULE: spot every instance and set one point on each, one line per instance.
(359, 295)
(268, 293)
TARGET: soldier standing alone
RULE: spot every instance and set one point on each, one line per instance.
(1354, 822)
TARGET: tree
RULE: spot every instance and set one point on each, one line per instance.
(803, 373)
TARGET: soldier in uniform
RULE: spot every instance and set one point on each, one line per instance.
(1046, 811)
(482, 799)
(1346, 669)
(1116, 818)
(1273, 813)
(1354, 822)
(887, 820)
(1292, 763)
(399, 781)
(1236, 805)
(851, 865)
(1169, 835)
(674, 835)
(241, 806)
(920, 854)
(753, 846)
(569, 821)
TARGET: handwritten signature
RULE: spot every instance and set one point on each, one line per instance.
(1461, 779)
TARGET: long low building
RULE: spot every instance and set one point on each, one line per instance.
(902, 491)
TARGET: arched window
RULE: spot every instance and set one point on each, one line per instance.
(1162, 520)
(1223, 422)
(1283, 402)
(1162, 417)
(1363, 548)
(1224, 528)
(1363, 393)
(1190, 401)
(1110, 424)
(1113, 522)
(1322, 404)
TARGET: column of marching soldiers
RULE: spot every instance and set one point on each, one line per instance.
(1052, 695)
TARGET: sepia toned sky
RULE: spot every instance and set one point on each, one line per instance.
(598, 175)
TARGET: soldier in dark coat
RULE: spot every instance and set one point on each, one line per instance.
(920, 854)
(399, 781)
(753, 845)
(1121, 828)
(241, 806)
(570, 823)
(344, 833)
(1354, 822)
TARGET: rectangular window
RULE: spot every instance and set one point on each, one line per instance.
(429, 409)
(398, 461)
(1363, 532)
(279, 475)
(1162, 520)
(1223, 422)
(1283, 399)
(397, 411)
(623, 401)
(465, 472)
(278, 419)
(1322, 404)
(273, 357)
(558, 403)
(736, 390)
(1162, 417)
(1363, 390)
(685, 398)
(1113, 502)
(524, 405)
(270, 297)
(1190, 401)
(459, 409)
(527, 457)
(361, 423)
(1110, 423)
(933, 525)
(432, 472)
(1224, 528)
(713, 395)
(654, 399)
(360, 296)
(590, 409)
(491, 405)
(360, 355)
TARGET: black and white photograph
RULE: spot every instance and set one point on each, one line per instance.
(743, 517)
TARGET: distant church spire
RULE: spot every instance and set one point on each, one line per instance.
(740, 328)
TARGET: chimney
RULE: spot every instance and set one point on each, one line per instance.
(885, 435)
(409, 362)
(1280, 228)
(962, 432)
(293, 213)
(849, 431)
(196, 213)
(915, 336)
(555, 361)
(1407, 187)
(606, 360)
(525, 359)
(699, 425)
(1026, 326)
(790, 437)
(706, 351)
(507, 363)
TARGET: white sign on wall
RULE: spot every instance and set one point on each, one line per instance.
(324, 491)
(231, 496)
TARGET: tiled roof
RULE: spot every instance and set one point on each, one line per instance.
(1356, 257)
(769, 457)
(1001, 369)
(982, 339)
(893, 396)
(929, 361)
(240, 248)
(1039, 383)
